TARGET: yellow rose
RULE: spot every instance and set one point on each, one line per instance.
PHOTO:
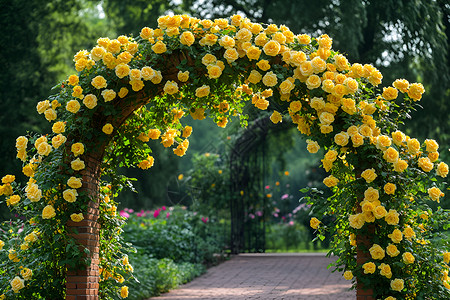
(48, 212)
(74, 182)
(314, 223)
(42, 106)
(73, 106)
(33, 192)
(122, 70)
(425, 164)
(44, 149)
(341, 138)
(396, 236)
(254, 77)
(147, 73)
(276, 117)
(341, 62)
(109, 60)
(124, 291)
(331, 181)
(73, 80)
(187, 131)
(304, 39)
(99, 82)
(369, 175)
(227, 42)
(442, 169)
(272, 48)
(58, 140)
(187, 38)
(385, 270)
(107, 128)
(50, 114)
(390, 93)
(244, 35)
(317, 103)
(306, 68)
(312, 146)
(392, 250)
(209, 59)
(135, 74)
(446, 258)
(390, 155)
(154, 134)
(90, 101)
(371, 194)
(389, 188)
(435, 193)
(369, 268)
(77, 217)
(253, 52)
(357, 140)
(400, 165)
(77, 149)
(171, 87)
(146, 33)
(401, 84)
(413, 146)
(17, 284)
(432, 145)
(348, 275)
(313, 82)
(392, 217)
(286, 87)
(377, 252)
(261, 39)
(270, 79)
(13, 200)
(408, 232)
(2, 244)
(379, 211)
(298, 57)
(331, 155)
(202, 91)
(137, 85)
(262, 103)
(433, 156)
(159, 47)
(263, 65)
(351, 84)
(147, 163)
(77, 164)
(415, 91)
(397, 285)
(231, 55)
(26, 273)
(70, 195)
(183, 76)
(58, 127)
(356, 221)
(327, 118)
(77, 92)
(21, 143)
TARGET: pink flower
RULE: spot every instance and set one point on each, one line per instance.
(275, 215)
(251, 216)
(291, 223)
(156, 213)
(131, 210)
(259, 213)
(168, 215)
(124, 214)
(267, 187)
(285, 196)
(163, 208)
(205, 220)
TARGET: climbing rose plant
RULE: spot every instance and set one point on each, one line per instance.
(130, 90)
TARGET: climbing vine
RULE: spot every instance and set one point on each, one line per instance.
(129, 90)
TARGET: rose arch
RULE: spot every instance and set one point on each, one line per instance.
(130, 90)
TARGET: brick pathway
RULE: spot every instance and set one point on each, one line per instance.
(267, 276)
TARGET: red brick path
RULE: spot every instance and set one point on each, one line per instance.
(267, 276)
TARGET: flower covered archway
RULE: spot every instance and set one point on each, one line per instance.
(130, 90)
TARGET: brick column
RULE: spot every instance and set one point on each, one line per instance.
(363, 242)
(84, 284)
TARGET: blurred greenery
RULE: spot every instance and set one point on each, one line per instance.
(404, 39)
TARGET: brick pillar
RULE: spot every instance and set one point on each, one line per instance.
(84, 284)
(363, 242)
